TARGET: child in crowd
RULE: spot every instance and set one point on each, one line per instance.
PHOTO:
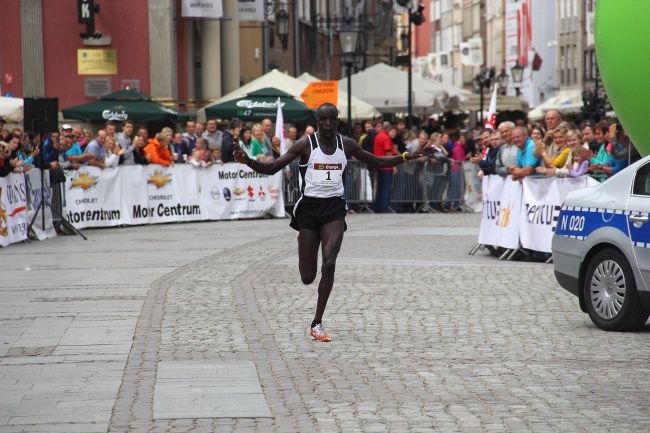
(580, 159)
(200, 157)
(216, 155)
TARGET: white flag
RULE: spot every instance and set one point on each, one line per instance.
(491, 121)
(279, 129)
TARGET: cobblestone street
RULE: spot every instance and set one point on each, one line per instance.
(424, 337)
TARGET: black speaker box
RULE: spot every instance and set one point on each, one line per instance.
(41, 114)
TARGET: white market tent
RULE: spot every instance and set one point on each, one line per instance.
(385, 88)
(11, 109)
(458, 97)
(360, 109)
(292, 86)
(504, 103)
(566, 102)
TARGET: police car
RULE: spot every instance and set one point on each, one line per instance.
(601, 248)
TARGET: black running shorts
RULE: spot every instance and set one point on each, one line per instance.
(312, 213)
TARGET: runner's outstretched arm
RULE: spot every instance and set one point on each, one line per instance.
(298, 149)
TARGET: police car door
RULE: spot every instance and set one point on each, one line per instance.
(638, 207)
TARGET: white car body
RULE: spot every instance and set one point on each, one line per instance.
(609, 219)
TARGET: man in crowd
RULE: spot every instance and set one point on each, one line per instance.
(488, 164)
(212, 134)
(230, 140)
(267, 126)
(292, 136)
(75, 154)
(124, 138)
(507, 156)
(110, 129)
(97, 148)
(200, 129)
(143, 133)
(383, 147)
(526, 161)
(189, 139)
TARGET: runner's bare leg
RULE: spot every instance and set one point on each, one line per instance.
(331, 236)
(308, 243)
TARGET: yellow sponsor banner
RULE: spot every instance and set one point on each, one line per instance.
(96, 62)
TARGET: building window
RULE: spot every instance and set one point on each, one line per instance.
(587, 66)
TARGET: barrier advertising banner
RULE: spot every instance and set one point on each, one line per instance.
(542, 201)
(492, 189)
(525, 212)
(156, 194)
(13, 209)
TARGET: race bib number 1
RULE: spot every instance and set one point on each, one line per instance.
(327, 174)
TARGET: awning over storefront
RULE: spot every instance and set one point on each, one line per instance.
(125, 105)
(566, 102)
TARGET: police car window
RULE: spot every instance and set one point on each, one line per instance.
(642, 181)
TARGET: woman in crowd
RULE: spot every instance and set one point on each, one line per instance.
(258, 138)
(87, 138)
(573, 140)
(251, 147)
(562, 151)
(112, 158)
(139, 156)
(536, 134)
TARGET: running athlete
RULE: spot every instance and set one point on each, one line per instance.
(319, 214)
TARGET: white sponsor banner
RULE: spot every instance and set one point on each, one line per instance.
(43, 226)
(542, 201)
(473, 187)
(233, 191)
(492, 189)
(13, 209)
(202, 9)
(251, 10)
(157, 194)
(91, 197)
(501, 208)
(172, 194)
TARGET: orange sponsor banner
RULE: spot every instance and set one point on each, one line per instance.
(320, 92)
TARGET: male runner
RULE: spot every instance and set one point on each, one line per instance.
(319, 214)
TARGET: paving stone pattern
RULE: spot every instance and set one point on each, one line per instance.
(424, 337)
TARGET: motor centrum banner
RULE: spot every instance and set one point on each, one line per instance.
(155, 194)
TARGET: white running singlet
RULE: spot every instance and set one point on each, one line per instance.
(324, 174)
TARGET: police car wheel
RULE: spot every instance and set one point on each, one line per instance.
(610, 293)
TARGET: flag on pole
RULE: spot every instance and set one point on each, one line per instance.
(491, 121)
(279, 129)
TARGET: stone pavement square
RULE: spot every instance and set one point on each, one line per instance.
(196, 389)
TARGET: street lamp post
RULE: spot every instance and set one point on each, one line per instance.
(282, 27)
(517, 72)
(348, 38)
(414, 18)
(503, 81)
(483, 80)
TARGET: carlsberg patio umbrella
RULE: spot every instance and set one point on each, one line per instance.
(259, 105)
(125, 105)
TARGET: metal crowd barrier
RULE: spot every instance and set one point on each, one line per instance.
(417, 186)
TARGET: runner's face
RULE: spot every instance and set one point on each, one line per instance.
(327, 121)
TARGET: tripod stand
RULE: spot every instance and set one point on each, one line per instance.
(62, 219)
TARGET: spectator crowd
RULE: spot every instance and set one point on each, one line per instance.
(554, 148)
